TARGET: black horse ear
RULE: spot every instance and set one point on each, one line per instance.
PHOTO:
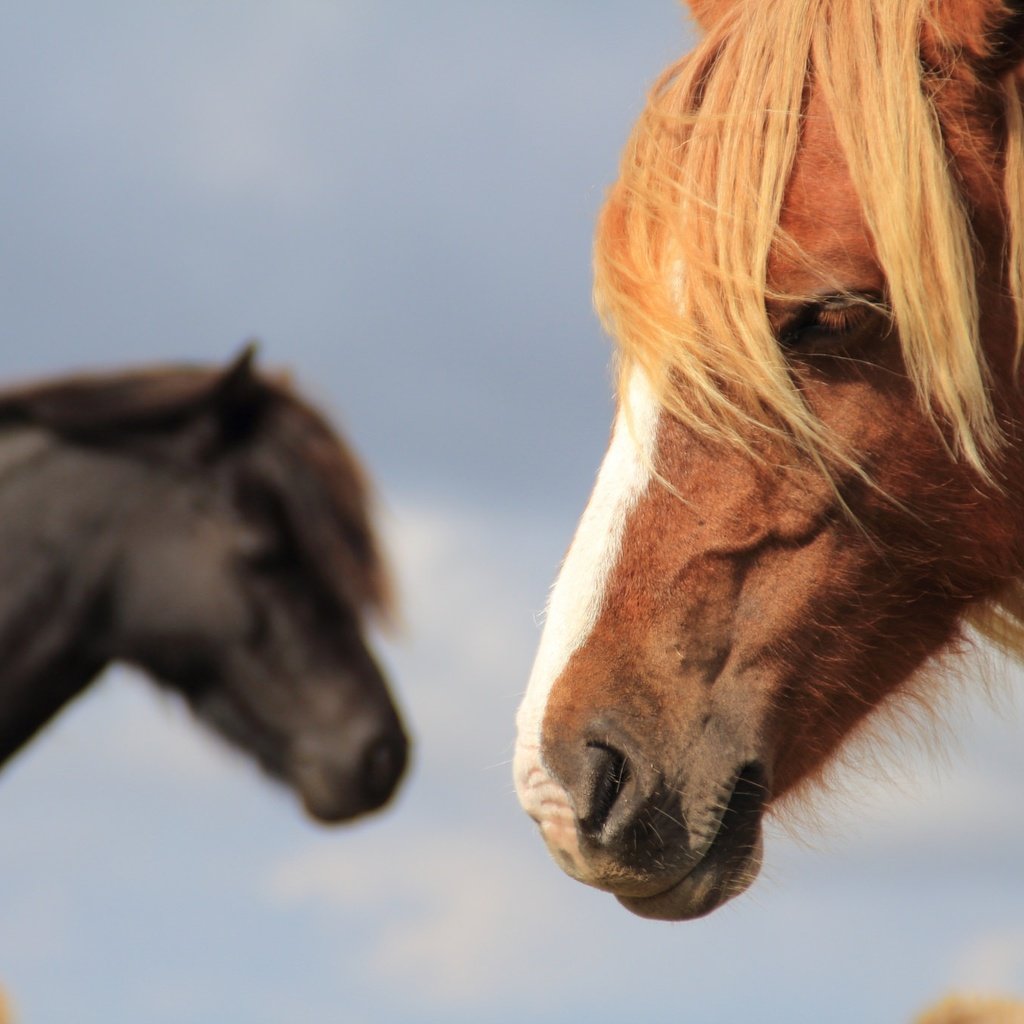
(239, 374)
(238, 398)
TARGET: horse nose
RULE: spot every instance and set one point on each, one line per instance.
(606, 786)
(342, 776)
(608, 813)
(602, 796)
(382, 766)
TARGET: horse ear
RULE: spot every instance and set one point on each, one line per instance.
(239, 373)
(987, 33)
(238, 397)
(707, 13)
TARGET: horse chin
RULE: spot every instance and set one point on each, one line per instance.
(329, 805)
(714, 881)
(727, 867)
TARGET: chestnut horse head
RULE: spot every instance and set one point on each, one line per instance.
(813, 264)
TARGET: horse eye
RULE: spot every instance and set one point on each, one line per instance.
(828, 320)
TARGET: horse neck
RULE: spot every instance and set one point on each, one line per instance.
(61, 509)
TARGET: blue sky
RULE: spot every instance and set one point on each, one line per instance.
(398, 199)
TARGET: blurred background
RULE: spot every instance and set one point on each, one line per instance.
(397, 198)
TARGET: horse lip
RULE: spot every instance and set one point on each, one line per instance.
(321, 795)
(728, 865)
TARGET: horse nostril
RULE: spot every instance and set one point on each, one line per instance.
(383, 764)
(607, 774)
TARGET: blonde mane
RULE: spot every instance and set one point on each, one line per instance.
(684, 239)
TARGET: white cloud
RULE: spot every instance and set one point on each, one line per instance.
(992, 962)
(467, 586)
(456, 904)
(37, 927)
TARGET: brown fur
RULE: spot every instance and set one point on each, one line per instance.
(761, 607)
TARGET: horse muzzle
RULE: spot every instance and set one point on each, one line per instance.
(342, 778)
(667, 847)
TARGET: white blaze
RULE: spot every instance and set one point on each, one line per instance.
(578, 595)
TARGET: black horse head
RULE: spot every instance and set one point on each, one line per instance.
(209, 527)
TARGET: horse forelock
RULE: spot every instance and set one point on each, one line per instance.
(685, 238)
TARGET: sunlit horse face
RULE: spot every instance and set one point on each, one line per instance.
(730, 610)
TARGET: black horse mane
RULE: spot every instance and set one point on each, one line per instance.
(285, 450)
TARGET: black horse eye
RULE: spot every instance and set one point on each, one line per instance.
(828, 320)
